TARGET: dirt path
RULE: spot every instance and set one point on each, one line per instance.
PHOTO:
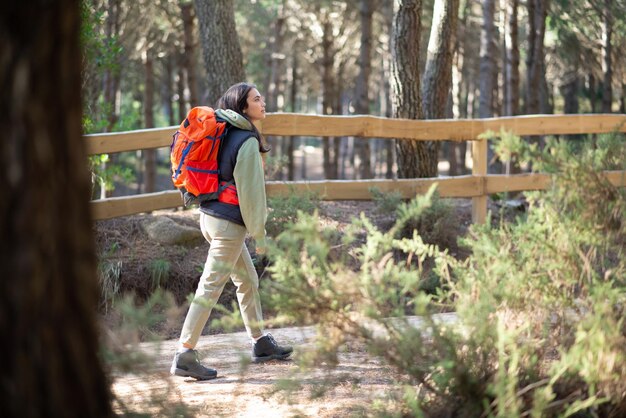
(249, 390)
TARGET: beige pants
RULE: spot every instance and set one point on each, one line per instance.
(227, 257)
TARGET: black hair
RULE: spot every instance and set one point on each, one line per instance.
(236, 99)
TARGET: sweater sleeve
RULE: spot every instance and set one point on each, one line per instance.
(250, 181)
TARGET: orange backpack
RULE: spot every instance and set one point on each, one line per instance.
(194, 153)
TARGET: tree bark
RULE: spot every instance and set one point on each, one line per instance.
(111, 80)
(328, 90)
(49, 289)
(362, 102)
(167, 91)
(180, 87)
(537, 13)
(438, 73)
(511, 107)
(406, 100)
(386, 105)
(293, 99)
(188, 58)
(487, 60)
(607, 60)
(148, 115)
(223, 59)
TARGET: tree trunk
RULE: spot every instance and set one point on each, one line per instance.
(406, 100)
(438, 73)
(537, 13)
(488, 74)
(569, 90)
(293, 99)
(276, 59)
(49, 289)
(459, 91)
(148, 115)
(511, 107)
(607, 61)
(487, 60)
(180, 86)
(167, 91)
(362, 102)
(328, 88)
(386, 105)
(111, 80)
(591, 92)
(223, 59)
(189, 62)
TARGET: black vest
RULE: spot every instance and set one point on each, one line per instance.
(227, 158)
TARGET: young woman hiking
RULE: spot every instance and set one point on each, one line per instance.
(224, 224)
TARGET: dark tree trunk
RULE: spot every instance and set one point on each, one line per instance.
(180, 87)
(592, 92)
(328, 91)
(487, 60)
(537, 13)
(386, 105)
(362, 102)
(275, 61)
(49, 289)
(569, 90)
(167, 90)
(111, 81)
(223, 59)
(511, 107)
(607, 60)
(438, 73)
(148, 115)
(188, 61)
(293, 98)
(406, 100)
(459, 91)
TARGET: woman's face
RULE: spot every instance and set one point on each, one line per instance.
(256, 106)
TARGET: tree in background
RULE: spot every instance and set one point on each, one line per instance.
(535, 64)
(406, 98)
(362, 102)
(48, 291)
(223, 60)
(437, 78)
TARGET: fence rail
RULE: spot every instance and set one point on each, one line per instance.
(477, 186)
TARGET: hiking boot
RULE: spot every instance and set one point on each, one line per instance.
(266, 348)
(186, 364)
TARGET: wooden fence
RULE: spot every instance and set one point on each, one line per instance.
(478, 185)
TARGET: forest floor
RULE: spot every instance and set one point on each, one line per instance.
(241, 389)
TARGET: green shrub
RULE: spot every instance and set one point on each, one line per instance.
(437, 224)
(283, 210)
(159, 273)
(386, 201)
(109, 276)
(540, 301)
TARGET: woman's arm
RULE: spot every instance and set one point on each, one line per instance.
(250, 182)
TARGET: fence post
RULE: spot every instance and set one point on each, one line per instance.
(479, 168)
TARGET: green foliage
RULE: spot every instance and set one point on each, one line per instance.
(159, 272)
(437, 224)
(109, 273)
(386, 201)
(540, 302)
(104, 175)
(283, 210)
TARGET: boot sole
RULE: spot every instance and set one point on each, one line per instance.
(185, 373)
(270, 357)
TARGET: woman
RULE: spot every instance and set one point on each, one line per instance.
(224, 224)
